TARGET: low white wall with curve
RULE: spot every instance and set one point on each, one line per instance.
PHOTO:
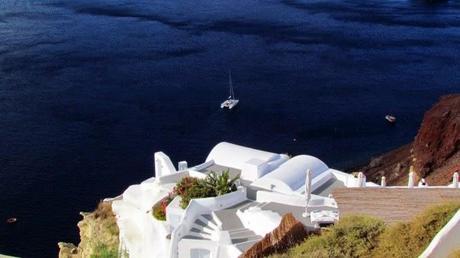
(446, 241)
(141, 236)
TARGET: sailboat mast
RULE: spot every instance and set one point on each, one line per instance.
(232, 94)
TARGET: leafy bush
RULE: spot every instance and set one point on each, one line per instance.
(353, 236)
(184, 184)
(410, 239)
(159, 209)
(213, 185)
(221, 184)
(100, 237)
(198, 189)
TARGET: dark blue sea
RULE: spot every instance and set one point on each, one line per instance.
(90, 89)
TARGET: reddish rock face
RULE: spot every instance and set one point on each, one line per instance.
(289, 233)
(439, 136)
(435, 152)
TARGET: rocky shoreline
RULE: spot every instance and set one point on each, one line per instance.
(434, 153)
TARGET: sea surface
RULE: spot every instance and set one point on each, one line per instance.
(90, 89)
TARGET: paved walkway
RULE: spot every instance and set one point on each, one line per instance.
(391, 204)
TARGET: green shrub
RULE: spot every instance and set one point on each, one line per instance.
(103, 251)
(189, 188)
(353, 236)
(159, 209)
(213, 185)
(196, 190)
(100, 232)
(184, 184)
(411, 239)
(221, 184)
(158, 212)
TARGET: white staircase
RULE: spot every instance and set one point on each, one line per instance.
(205, 227)
(209, 227)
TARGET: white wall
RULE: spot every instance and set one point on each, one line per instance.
(142, 236)
(163, 164)
(294, 200)
(446, 241)
(186, 245)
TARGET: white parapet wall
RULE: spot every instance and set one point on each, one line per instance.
(446, 241)
(349, 180)
(140, 234)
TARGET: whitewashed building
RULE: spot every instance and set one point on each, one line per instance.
(271, 185)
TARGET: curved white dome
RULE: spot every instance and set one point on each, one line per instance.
(290, 176)
(235, 156)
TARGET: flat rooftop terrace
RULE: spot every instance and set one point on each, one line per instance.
(328, 187)
(219, 169)
(391, 204)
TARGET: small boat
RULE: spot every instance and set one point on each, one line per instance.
(11, 220)
(391, 119)
(231, 102)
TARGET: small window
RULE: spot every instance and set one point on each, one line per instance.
(200, 253)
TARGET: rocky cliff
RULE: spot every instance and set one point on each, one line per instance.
(98, 235)
(289, 233)
(435, 152)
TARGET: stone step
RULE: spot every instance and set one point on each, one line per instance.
(201, 235)
(236, 230)
(207, 220)
(242, 234)
(207, 216)
(243, 246)
(198, 228)
(242, 239)
(193, 237)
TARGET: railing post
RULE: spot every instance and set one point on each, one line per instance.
(455, 180)
(182, 165)
(410, 182)
(361, 179)
(383, 182)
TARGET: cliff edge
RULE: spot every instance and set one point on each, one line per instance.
(435, 152)
(98, 235)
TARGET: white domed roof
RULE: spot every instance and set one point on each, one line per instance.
(290, 176)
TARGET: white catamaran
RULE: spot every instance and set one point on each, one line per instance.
(231, 101)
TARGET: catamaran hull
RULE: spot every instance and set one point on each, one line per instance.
(229, 104)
